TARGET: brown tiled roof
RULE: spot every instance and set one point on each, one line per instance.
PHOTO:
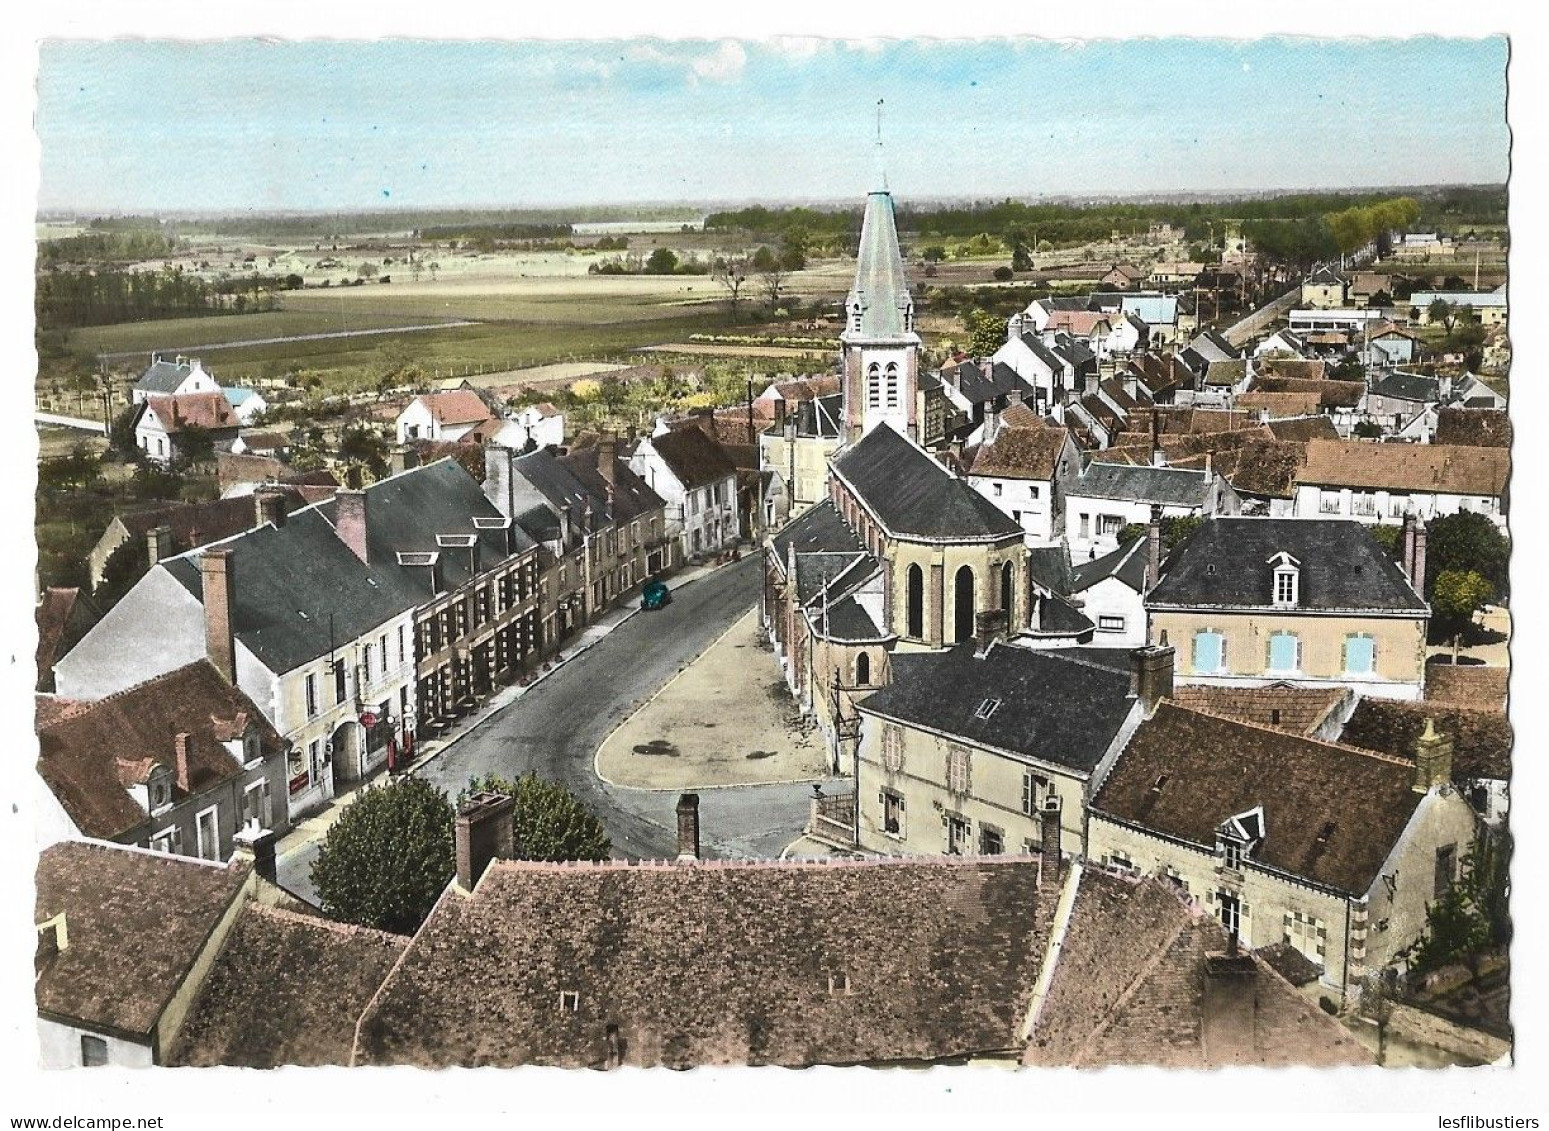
(1473, 427)
(1134, 986)
(231, 469)
(456, 406)
(1079, 322)
(1261, 465)
(1281, 404)
(1290, 963)
(1213, 768)
(210, 411)
(1128, 270)
(1303, 428)
(1332, 394)
(1471, 686)
(89, 757)
(1021, 453)
(808, 388)
(265, 441)
(1175, 421)
(718, 963)
(694, 458)
(1297, 710)
(1407, 467)
(50, 709)
(313, 978)
(1384, 328)
(137, 922)
(1481, 739)
(1021, 415)
(1295, 368)
(196, 524)
(62, 616)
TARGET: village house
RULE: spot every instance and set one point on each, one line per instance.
(178, 377)
(1110, 592)
(1282, 343)
(699, 485)
(1051, 375)
(167, 428)
(1386, 345)
(1324, 288)
(261, 443)
(1107, 497)
(1175, 274)
(1253, 601)
(1347, 320)
(794, 455)
(1123, 276)
(449, 416)
(982, 392)
(1365, 286)
(1256, 823)
(539, 425)
(1024, 473)
(1489, 307)
(248, 405)
(180, 764)
(1382, 483)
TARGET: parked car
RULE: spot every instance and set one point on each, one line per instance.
(655, 595)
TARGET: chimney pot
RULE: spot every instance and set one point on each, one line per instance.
(1154, 547)
(688, 828)
(484, 833)
(1418, 580)
(256, 847)
(989, 626)
(270, 505)
(158, 544)
(350, 521)
(219, 594)
(607, 459)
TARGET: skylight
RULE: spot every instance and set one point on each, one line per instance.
(987, 708)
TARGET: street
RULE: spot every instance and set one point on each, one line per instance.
(556, 728)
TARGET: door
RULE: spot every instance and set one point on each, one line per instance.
(208, 827)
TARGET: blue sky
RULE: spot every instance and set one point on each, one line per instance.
(290, 126)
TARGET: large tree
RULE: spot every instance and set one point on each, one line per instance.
(986, 333)
(549, 822)
(1456, 596)
(388, 857)
(1468, 542)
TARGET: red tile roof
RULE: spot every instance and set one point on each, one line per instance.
(210, 411)
(457, 406)
(1022, 453)
(1298, 710)
(1444, 468)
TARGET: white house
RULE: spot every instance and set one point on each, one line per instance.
(447, 417)
(1024, 472)
(542, 425)
(165, 424)
(248, 404)
(699, 482)
(1282, 342)
(1488, 306)
(173, 378)
(1107, 497)
(1382, 483)
(1110, 592)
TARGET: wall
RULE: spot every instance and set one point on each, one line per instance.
(1399, 642)
(985, 559)
(1114, 598)
(1037, 513)
(157, 627)
(59, 1046)
(811, 468)
(1389, 507)
(1077, 505)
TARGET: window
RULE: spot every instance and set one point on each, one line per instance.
(839, 983)
(403, 647)
(957, 769)
(1109, 525)
(569, 1001)
(169, 841)
(1084, 518)
(312, 695)
(1120, 860)
(1285, 586)
(1110, 624)
(381, 649)
(1229, 912)
(892, 748)
(1329, 503)
(365, 661)
(94, 1051)
(1231, 853)
(992, 842)
(338, 682)
(256, 806)
(1209, 652)
(892, 384)
(958, 829)
(1034, 788)
(1363, 504)
(1446, 868)
(995, 489)
(987, 708)
(914, 602)
(207, 827)
(1032, 490)
(1306, 934)
(873, 384)
(1285, 652)
(892, 813)
(862, 670)
(1360, 654)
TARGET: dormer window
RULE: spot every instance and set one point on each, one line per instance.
(569, 1001)
(1238, 836)
(1287, 580)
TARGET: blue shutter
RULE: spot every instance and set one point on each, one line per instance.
(1282, 652)
(1360, 655)
(1207, 652)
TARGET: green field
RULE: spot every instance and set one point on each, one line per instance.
(176, 333)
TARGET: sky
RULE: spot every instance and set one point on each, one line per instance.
(250, 124)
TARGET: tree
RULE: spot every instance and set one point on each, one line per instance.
(1175, 528)
(366, 271)
(1368, 430)
(121, 433)
(1442, 311)
(1380, 298)
(661, 262)
(548, 822)
(1002, 274)
(1469, 542)
(986, 333)
(935, 253)
(196, 445)
(1473, 917)
(772, 269)
(731, 273)
(388, 857)
(1348, 369)
(1455, 597)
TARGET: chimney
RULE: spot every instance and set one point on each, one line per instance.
(987, 368)
(1409, 546)
(1151, 675)
(402, 458)
(688, 828)
(1154, 547)
(350, 521)
(219, 584)
(270, 505)
(255, 847)
(989, 626)
(1050, 854)
(53, 937)
(1210, 459)
(1433, 759)
(607, 459)
(484, 833)
(158, 544)
(1418, 580)
(180, 743)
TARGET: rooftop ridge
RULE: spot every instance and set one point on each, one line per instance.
(333, 926)
(1343, 748)
(752, 864)
(118, 695)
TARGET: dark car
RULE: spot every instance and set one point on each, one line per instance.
(655, 595)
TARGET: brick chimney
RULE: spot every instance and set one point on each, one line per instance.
(255, 847)
(1433, 759)
(1151, 675)
(158, 544)
(184, 779)
(269, 505)
(350, 521)
(219, 590)
(688, 828)
(1154, 547)
(1409, 546)
(989, 626)
(1418, 577)
(484, 833)
(607, 459)
(1050, 853)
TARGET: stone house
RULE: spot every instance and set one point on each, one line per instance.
(180, 764)
(177, 377)
(794, 454)
(1256, 824)
(165, 425)
(698, 482)
(1253, 601)
(1324, 288)
(1025, 472)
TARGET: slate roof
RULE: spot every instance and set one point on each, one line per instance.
(92, 755)
(1408, 387)
(1297, 710)
(1127, 563)
(1325, 275)
(1407, 467)
(1482, 739)
(818, 529)
(848, 620)
(1050, 567)
(210, 411)
(163, 376)
(137, 922)
(313, 977)
(1056, 705)
(820, 416)
(880, 284)
(1057, 616)
(693, 457)
(1211, 346)
(719, 963)
(1473, 427)
(1022, 452)
(1212, 768)
(1133, 985)
(1225, 563)
(914, 496)
(1163, 485)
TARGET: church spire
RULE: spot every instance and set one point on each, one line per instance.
(879, 172)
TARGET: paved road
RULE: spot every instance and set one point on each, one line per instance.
(555, 729)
